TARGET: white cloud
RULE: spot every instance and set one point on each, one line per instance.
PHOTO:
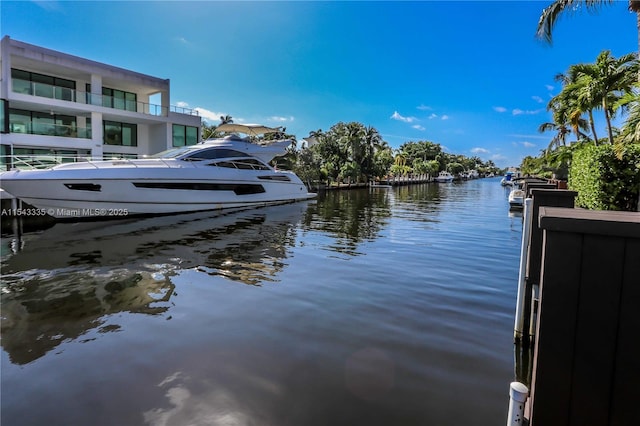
(538, 99)
(210, 116)
(528, 144)
(423, 107)
(397, 116)
(479, 151)
(518, 111)
(500, 109)
(48, 5)
(418, 127)
(281, 119)
(549, 87)
(444, 117)
(432, 116)
(532, 136)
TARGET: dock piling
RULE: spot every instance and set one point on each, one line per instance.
(518, 393)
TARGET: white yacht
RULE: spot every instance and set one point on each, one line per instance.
(215, 174)
(444, 176)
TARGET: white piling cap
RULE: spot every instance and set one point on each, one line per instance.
(518, 391)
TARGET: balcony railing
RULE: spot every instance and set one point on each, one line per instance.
(51, 130)
(66, 94)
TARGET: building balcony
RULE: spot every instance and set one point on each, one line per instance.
(25, 87)
(48, 129)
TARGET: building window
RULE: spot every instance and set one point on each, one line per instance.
(119, 99)
(184, 135)
(123, 134)
(5, 157)
(42, 123)
(4, 110)
(31, 83)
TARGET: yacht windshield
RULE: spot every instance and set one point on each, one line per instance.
(174, 152)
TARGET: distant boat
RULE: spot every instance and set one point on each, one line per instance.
(516, 198)
(509, 178)
(444, 176)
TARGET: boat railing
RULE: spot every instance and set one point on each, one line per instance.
(42, 162)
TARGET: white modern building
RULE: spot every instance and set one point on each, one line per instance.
(57, 105)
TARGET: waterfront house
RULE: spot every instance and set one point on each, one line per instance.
(58, 105)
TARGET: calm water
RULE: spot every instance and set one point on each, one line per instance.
(365, 307)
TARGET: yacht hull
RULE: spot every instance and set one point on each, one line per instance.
(85, 193)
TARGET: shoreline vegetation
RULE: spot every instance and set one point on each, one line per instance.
(351, 153)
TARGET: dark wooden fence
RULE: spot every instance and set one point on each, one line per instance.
(543, 196)
(586, 368)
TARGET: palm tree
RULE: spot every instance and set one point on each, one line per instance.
(582, 96)
(630, 132)
(607, 81)
(551, 14)
(566, 118)
(226, 119)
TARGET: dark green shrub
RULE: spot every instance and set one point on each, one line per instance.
(606, 177)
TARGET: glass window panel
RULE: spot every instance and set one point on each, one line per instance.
(44, 90)
(4, 123)
(129, 134)
(19, 121)
(107, 97)
(112, 133)
(43, 85)
(178, 135)
(131, 101)
(63, 82)
(43, 123)
(24, 75)
(65, 156)
(41, 78)
(192, 135)
(65, 125)
(22, 151)
(5, 159)
(118, 99)
(64, 93)
(20, 81)
(213, 153)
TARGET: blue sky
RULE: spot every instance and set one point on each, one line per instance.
(468, 75)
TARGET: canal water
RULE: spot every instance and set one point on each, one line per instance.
(382, 306)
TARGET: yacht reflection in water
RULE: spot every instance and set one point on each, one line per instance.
(66, 282)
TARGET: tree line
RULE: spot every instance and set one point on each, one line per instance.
(352, 152)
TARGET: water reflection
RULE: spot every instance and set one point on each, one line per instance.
(350, 217)
(43, 310)
(61, 282)
(372, 307)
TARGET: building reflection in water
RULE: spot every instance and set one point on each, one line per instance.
(72, 278)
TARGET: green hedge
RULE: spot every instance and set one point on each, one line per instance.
(606, 179)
